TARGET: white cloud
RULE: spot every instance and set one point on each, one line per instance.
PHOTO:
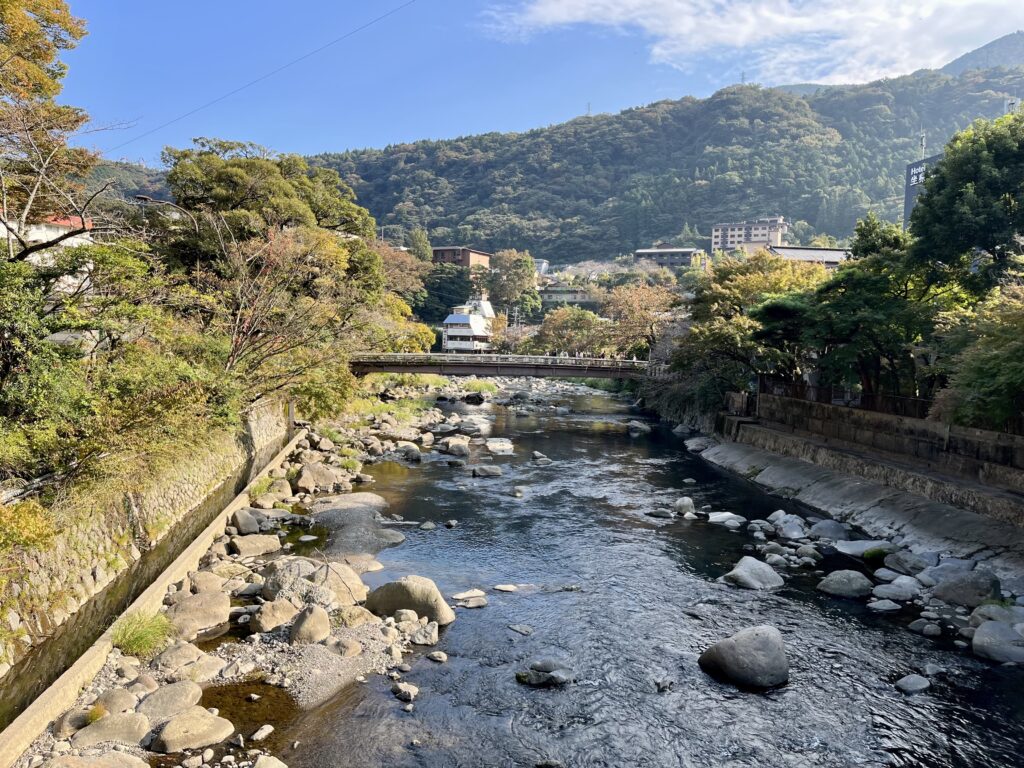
(777, 41)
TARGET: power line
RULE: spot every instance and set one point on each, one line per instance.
(268, 75)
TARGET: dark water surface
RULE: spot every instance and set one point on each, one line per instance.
(646, 606)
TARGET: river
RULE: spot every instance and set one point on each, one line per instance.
(629, 600)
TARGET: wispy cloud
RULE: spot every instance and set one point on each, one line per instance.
(778, 41)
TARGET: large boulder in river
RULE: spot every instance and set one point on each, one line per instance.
(320, 477)
(170, 700)
(125, 728)
(752, 658)
(970, 589)
(312, 625)
(272, 614)
(354, 520)
(254, 545)
(415, 593)
(999, 641)
(194, 728)
(846, 584)
(199, 612)
(751, 573)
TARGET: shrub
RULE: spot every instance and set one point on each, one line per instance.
(24, 525)
(352, 465)
(142, 635)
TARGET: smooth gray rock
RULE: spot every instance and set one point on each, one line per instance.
(906, 562)
(273, 614)
(312, 625)
(125, 728)
(199, 612)
(998, 641)
(970, 589)
(753, 658)
(547, 673)
(911, 684)
(193, 729)
(244, 522)
(828, 529)
(861, 546)
(486, 470)
(751, 573)
(117, 700)
(354, 524)
(164, 703)
(254, 545)
(846, 584)
(414, 592)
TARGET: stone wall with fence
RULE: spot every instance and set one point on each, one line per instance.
(41, 590)
(991, 458)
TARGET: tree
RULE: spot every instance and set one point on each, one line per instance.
(418, 243)
(40, 175)
(987, 388)
(404, 272)
(251, 190)
(726, 346)
(33, 33)
(445, 286)
(637, 312)
(572, 330)
(513, 281)
(969, 222)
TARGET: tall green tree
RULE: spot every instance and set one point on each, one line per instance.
(512, 281)
(418, 243)
(969, 222)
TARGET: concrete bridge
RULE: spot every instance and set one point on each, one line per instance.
(498, 365)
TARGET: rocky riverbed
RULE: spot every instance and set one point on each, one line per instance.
(516, 543)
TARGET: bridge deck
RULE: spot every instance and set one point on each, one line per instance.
(498, 365)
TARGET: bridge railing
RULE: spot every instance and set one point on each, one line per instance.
(413, 358)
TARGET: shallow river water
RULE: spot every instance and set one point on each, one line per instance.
(642, 606)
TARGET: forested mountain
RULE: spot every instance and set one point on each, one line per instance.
(602, 185)
(1006, 51)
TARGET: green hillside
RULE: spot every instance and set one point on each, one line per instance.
(1006, 51)
(602, 185)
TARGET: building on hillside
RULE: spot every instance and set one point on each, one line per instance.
(673, 257)
(560, 294)
(542, 265)
(468, 327)
(771, 230)
(830, 258)
(462, 256)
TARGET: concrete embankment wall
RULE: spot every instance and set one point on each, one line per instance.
(992, 458)
(882, 511)
(94, 556)
(910, 475)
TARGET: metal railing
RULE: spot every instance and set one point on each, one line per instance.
(413, 359)
(911, 407)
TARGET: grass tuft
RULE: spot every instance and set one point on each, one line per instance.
(142, 635)
(480, 385)
(96, 712)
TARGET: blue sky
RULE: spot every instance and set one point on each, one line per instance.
(443, 68)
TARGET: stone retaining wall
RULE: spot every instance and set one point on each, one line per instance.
(991, 458)
(89, 553)
(987, 502)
